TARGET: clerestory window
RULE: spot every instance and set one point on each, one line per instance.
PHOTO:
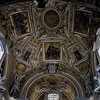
(1, 50)
(53, 96)
(99, 52)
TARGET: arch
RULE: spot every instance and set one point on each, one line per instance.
(76, 84)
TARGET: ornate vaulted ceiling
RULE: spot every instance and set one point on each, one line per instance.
(50, 47)
(95, 2)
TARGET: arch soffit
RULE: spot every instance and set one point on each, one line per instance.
(76, 84)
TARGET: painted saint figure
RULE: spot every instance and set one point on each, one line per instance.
(52, 53)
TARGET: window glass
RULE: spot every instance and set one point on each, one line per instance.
(1, 50)
(99, 51)
(53, 96)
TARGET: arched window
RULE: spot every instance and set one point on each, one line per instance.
(99, 51)
(96, 47)
(3, 54)
(53, 96)
(1, 50)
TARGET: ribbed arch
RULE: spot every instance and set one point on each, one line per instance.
(68, 77)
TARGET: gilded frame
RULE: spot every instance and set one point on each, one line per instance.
(52, 51)
(79, 25)
(21, 22)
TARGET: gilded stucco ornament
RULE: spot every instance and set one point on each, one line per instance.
(51, 18)
(47, 21)
(33, 54)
